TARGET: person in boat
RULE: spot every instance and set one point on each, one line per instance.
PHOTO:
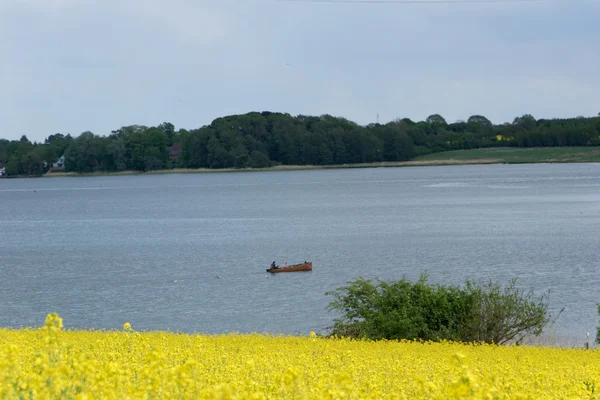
(273, 266)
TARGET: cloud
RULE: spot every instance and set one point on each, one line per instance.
(39, 5)
(70, 66)
(194, 23)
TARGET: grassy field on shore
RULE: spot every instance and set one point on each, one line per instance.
(494, 155)
(515, 155)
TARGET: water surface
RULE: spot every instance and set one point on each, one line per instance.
(104, 250)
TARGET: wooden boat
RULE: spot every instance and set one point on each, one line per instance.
(307, 266)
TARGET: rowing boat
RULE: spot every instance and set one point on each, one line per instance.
(307, 266)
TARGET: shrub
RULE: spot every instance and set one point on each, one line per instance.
(405, 310)
(500, 315)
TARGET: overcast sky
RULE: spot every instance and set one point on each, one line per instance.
(73, 65)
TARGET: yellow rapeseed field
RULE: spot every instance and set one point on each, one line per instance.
(50, 363)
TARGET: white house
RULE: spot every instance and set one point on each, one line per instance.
(60, 163)
(2, 171)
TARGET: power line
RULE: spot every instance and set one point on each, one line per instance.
(424, 2)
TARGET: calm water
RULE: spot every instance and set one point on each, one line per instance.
(102, 251)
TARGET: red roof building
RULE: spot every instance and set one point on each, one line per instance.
(174, 151)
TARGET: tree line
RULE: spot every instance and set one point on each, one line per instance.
(263, 139)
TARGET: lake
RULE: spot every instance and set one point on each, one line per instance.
(188, 252)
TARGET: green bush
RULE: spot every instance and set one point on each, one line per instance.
(405, 310)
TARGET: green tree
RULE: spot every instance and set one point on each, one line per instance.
(117, 154)
(168, 130)
(217, 156)
(479, 120)
(397, 145)
(12, 167)
(525, 121)
(259, 160)
(153, 159)
(242, 161)
(436, 119)
(325, 154)
(32, 164)
(82, 154)
(194, 148)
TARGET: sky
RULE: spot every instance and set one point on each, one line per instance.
(68, 66)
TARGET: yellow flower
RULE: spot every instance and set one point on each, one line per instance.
(111, 365)
(53, 321)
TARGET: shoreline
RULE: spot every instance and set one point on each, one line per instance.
(397, 164)
(391, 164)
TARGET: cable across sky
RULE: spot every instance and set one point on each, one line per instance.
(424, 2)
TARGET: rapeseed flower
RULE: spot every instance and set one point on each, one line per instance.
(55, 363)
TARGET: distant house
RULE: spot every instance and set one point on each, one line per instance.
(60, 163)
(174, 151)
(2, 171)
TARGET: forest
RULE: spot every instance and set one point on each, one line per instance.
(266, 139)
